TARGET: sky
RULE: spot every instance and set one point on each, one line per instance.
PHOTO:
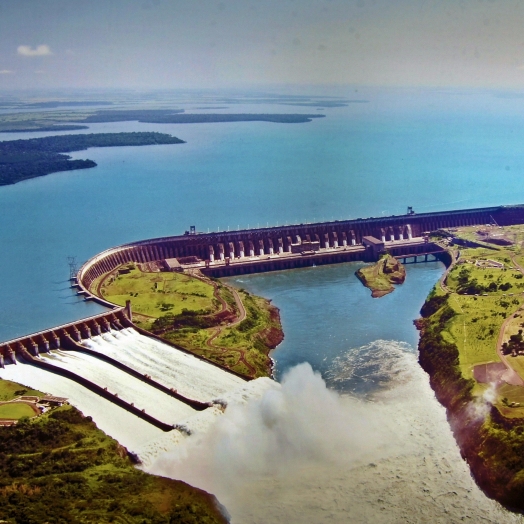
(241, 43)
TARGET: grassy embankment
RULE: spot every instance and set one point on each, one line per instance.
(60, 468)
(381, 276)
(200, 315)
(460, 329)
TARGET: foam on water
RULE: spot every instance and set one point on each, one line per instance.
(303, 453)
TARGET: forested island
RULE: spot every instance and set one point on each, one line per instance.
(24, 159)
(177, 116)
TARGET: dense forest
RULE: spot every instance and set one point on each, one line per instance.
(59, 468)
(24, 159)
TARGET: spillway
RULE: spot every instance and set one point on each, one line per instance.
(128, 429)
(190, 376)
(132, 390)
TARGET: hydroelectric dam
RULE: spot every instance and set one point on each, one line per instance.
(139, 372)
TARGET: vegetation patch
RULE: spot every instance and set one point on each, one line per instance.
(10, 390)
(160, 293)
(381, 276)
(461, 322)
(60, 468)
(15, 411)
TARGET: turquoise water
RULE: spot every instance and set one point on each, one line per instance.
(430, 150)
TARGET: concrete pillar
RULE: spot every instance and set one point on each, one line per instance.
(280, 246)
(10, 354)
(382, 235)
(32, 347)
(104, 325)
(55, 340)
(289, 242)
(261, 247)
(221, 252)
(344, 239)
(326, 240)
(211, 254)
(391, 234)
(408, 231)
(353, 238)
(251, 249)
(270, 245)
(75, 334)
(335, 239)
(44, 345)
(241, 251)
(85, 331)
(231, 251)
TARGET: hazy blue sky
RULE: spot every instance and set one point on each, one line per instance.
(223, 43)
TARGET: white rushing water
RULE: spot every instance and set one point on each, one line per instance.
(303, 453)
(155, 402)
(125, 427)
(190, 376)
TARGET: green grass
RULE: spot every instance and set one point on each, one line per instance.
(15, 411)
(478, 319)
(154, 294)
(10, 390)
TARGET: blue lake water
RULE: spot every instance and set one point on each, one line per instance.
(432, 150)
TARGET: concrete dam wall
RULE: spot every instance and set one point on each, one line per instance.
(285, 247)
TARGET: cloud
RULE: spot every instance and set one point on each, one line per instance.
(6, 72)
(27, 50)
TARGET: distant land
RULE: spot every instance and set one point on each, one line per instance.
(325, 103)
(52, 127)
(25, 159)
(72, 120)
(54, 104)
(175, 116)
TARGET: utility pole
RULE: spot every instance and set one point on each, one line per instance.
(73, 270)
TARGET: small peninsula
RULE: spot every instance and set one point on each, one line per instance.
(205, 316)
(381, 276)
(24, 159)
